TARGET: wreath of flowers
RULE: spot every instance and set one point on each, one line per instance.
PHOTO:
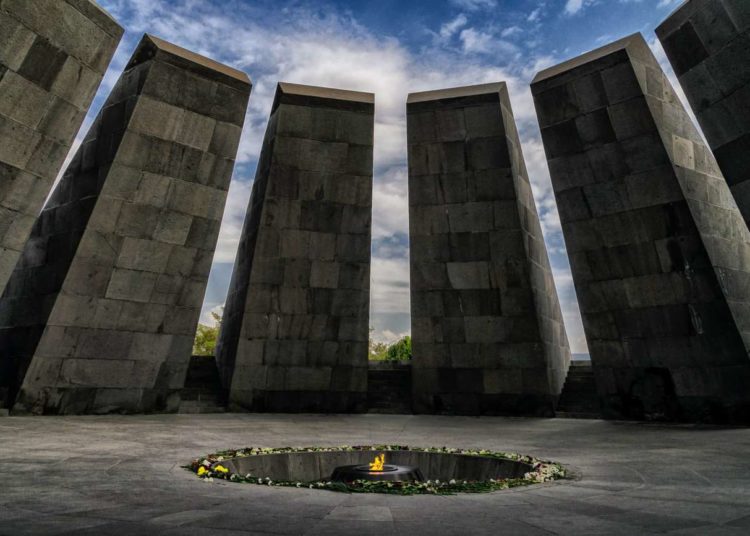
(209, 468)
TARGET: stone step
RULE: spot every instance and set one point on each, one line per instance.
(579, 399)
(202, 372)
(389, 389)
(195, 406)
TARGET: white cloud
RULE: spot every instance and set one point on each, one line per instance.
(511, 31)
(474, 5)
(535, 15)
(387, 336)
(450, 27)
(390, 285)
(478, 42)
(574, 6)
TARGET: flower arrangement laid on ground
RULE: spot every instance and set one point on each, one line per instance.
(209, 467)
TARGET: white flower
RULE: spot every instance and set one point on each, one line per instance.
(453, 481)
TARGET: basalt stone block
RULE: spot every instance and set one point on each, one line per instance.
(658, 248)
(53, 55)
(100, 312)
(295, 329)
(708, 44)
(481, 283)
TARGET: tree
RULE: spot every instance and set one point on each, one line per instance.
(399, 350)
(206, 337)
(376, 349)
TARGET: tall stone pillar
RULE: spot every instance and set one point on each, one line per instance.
(487, 331)
(708, 45)
(659, 252)
(295, 329)
(53, 55)
(100, 313)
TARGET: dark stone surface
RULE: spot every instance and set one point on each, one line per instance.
(708, 44)
(658, 249)
(100, 313)
(487, 332)
(53, 55)
(295, 330)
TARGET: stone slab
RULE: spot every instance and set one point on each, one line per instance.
(484, 304)
(53, 55)
(295, 330)
(656, 242)
(100, 313)
(707, 43)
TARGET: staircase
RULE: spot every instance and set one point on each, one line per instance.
(389, 387)
(579, 399)
(202, 392)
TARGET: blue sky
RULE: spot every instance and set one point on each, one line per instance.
(390, 48)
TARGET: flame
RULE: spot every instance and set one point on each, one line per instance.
(378, 463)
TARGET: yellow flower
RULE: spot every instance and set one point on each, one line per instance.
(202, 471)
(221, 469)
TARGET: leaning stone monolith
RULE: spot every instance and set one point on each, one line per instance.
(100, 313)
(708, 44)
(487, 331)
(295, 328)
(659, 252)
(53, 55)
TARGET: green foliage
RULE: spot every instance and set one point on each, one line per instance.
(206, 337)
(399, 350)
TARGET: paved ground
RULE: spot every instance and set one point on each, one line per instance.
(122, 475)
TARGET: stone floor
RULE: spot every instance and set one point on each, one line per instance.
(122, 475)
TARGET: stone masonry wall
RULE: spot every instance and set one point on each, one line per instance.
(487, 331)
(659, 252)
(101, 311)
(295, 330)
(708, 45)
(53, 54)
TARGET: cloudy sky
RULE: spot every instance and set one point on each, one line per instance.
(390, 48)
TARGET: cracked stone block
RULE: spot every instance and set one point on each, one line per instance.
(295, 328)
(53, 55)
(481, 282)
(658, 249)
(708, 44)
(100, 312)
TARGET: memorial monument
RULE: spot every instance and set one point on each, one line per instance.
(100, 313)
(53, 55)
(708, 44)
(487, 331)
(295, 329)
(658, 248)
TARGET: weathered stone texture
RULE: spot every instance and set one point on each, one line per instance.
(100, 313)
(708, 44)
(295, 329)
(487, 331)
(53, 54)
(659, 251)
